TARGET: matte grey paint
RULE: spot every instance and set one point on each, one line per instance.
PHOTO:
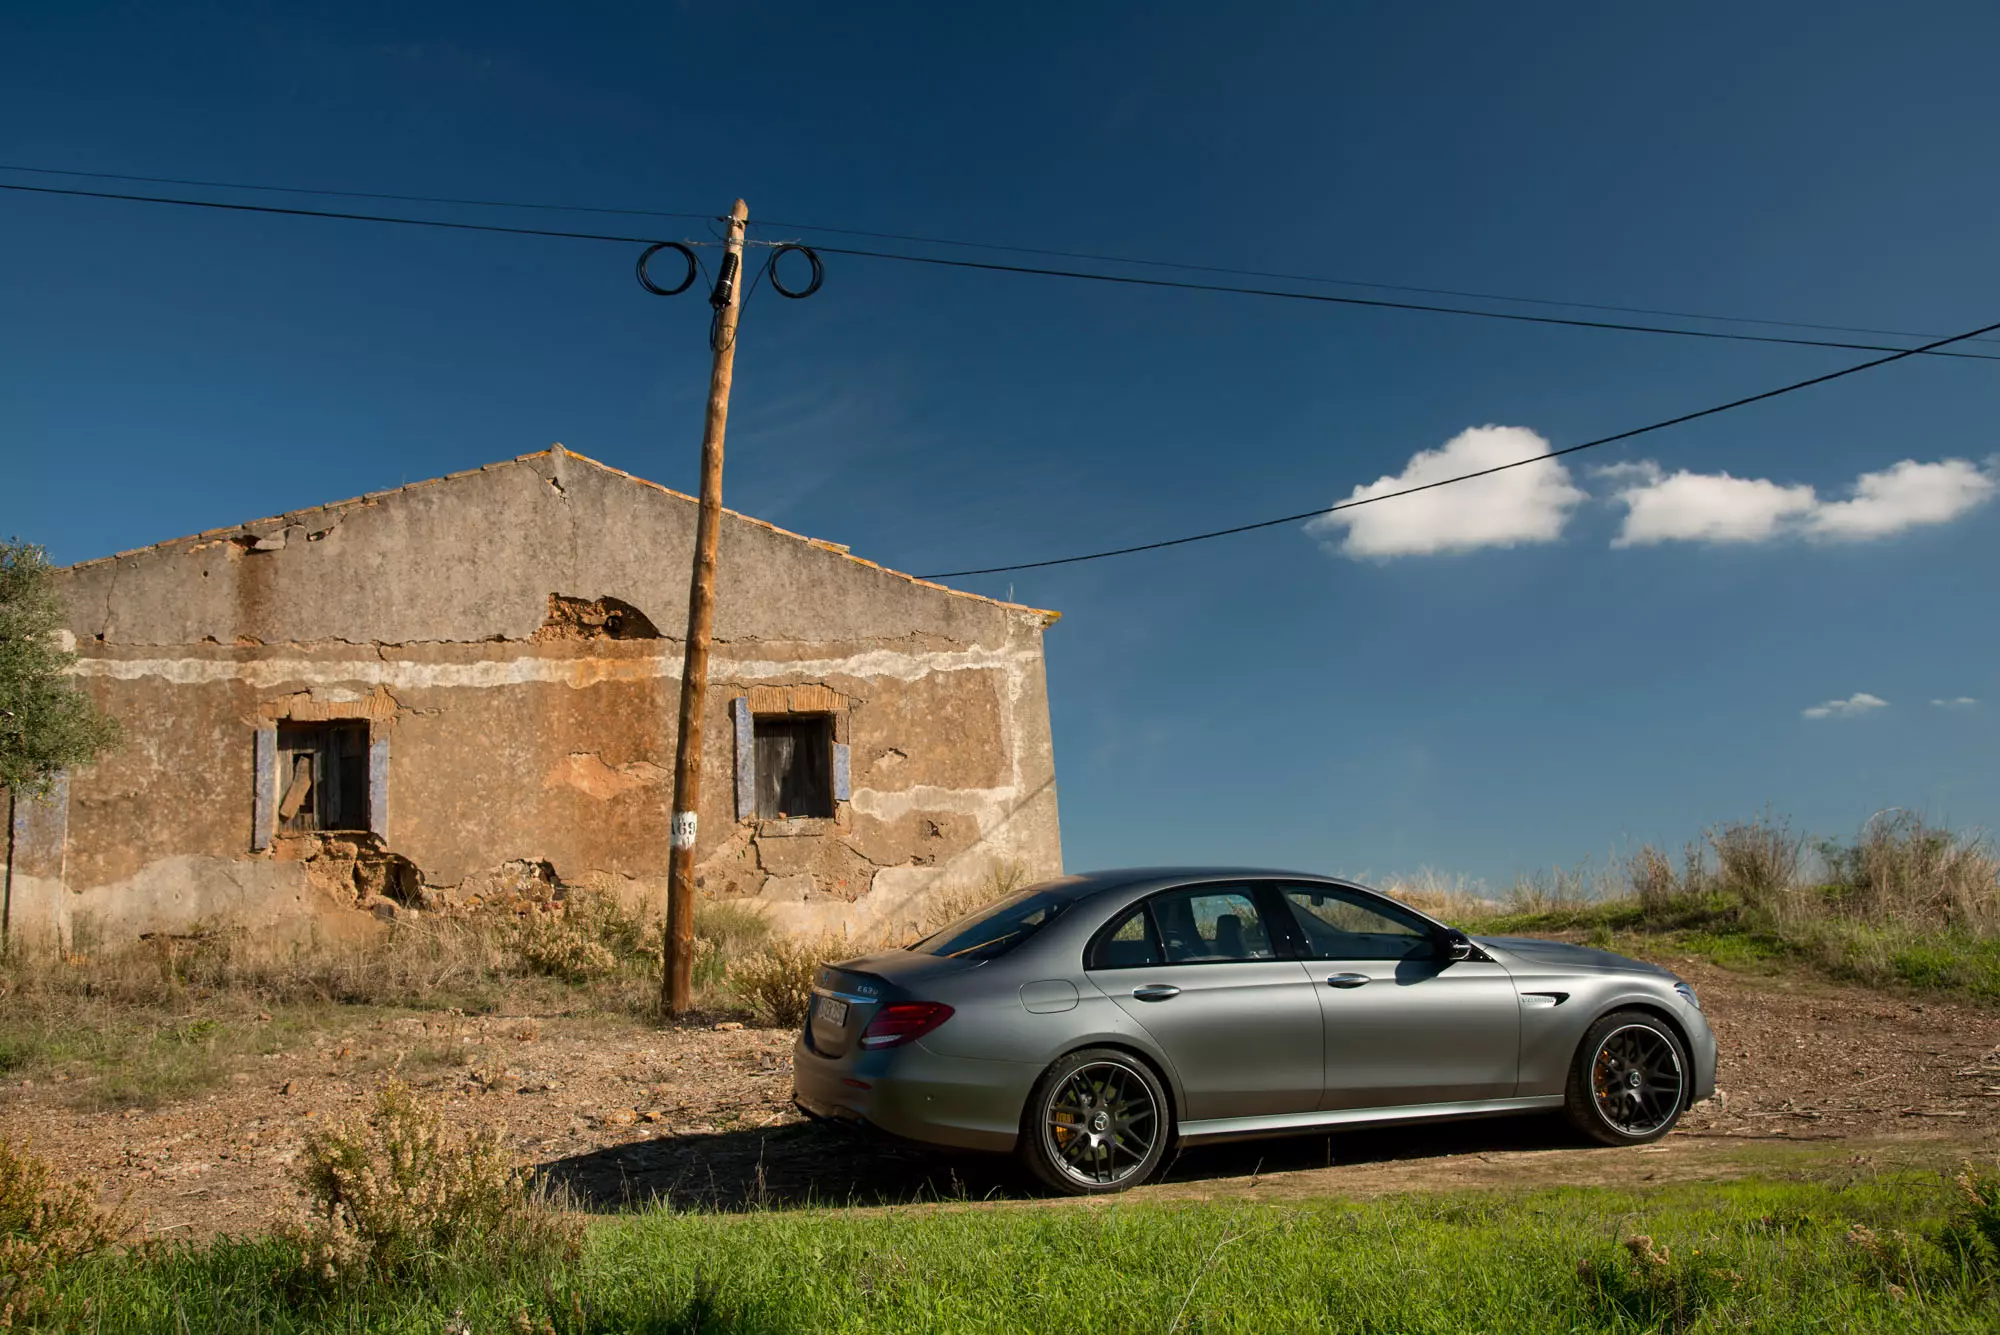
(1049, 997)
(1257, 1048)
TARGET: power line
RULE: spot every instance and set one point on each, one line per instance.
(1380, 304)
(990, 266)
(1347, 282)
(351, 194)
(1093, 256)
(327, 213)
(1483, 472)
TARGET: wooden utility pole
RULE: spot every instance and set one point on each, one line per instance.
(677, 981)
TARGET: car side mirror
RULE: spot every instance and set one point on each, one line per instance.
(1457, 945)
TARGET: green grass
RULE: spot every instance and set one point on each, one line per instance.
(107, 1056)
(1742, 1256)
(1940, 960)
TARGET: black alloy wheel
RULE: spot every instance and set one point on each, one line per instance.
(1097, 1122)
(1628, 1083)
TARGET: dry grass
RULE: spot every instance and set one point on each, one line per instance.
(947, 905)
(394, 1196)
(44, 1224)
(1905, 903)
(1902, 869)
(776, 982)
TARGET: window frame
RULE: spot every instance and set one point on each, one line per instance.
(1433, 932)
(805, 700)
(338, 776)
(826, 722)
(1278, 928)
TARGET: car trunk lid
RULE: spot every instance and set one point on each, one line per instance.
(846, 996)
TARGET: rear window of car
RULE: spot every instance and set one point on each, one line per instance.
(998, 928)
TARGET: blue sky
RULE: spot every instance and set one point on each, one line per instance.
(1622, 656)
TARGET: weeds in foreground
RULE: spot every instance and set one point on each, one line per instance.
(1713, 1256)
(1974, 1230)
(394, 1196)
(45, 1224)
(1645, 1284)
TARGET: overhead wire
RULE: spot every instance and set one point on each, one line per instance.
(347, 194)
(1284, 276)
(1328, 298)
(347, 217)
(1093, 256)
(1932, 348)
(1131, 280)
(1357, 502)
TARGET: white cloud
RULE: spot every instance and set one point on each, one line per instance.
(1716, 507)
(1904, 496)
(1852, 707)
(1702, 507)
(1521, 505)
(1958, 702)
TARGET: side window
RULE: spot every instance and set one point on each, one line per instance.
(1128, 945)
(1343, 925)
(1210, 924)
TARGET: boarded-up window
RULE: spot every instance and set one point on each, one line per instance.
(322, 776)
(794, 765)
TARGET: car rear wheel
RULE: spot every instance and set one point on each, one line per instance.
(1629, 1080)
(1097, 1122)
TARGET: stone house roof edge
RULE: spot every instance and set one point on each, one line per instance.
(1047, 616)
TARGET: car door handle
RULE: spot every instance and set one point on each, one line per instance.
(1347, 980)
(1156, 992)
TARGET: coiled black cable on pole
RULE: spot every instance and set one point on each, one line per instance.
(812, 258)
(654, 288)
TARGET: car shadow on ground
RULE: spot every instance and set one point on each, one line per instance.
(804, 1164)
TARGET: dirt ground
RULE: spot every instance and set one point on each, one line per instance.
(700, 1116)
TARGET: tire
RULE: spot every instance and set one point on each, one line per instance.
(1097, 1122)
(1629, 1080)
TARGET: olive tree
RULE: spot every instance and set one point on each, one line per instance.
(46, 723)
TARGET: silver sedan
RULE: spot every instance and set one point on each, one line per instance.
(1091, 1023)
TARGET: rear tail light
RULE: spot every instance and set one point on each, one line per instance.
(903, 1022)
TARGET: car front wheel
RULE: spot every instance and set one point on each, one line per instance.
(1097, 1122)
(1629, 1080)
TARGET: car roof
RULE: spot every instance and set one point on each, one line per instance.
(1125, 878)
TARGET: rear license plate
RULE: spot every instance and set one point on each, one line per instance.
(832, 1010)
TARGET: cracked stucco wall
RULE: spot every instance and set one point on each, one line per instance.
(418, 609)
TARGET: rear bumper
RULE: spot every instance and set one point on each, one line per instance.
(917, 1094)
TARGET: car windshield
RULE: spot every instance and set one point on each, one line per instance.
(998, 928)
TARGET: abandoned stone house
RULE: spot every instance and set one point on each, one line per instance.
(467, 688)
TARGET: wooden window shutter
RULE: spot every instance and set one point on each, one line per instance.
(265, 810)
(378, 787)
(746, 757)
(840, 784)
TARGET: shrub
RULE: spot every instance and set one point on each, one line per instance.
(725, 930)
(1974, 1229)
(549, 944)
(44, 1224)
(1757, 863)
(776, 983)
(393, 1196)
(1902, 869)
